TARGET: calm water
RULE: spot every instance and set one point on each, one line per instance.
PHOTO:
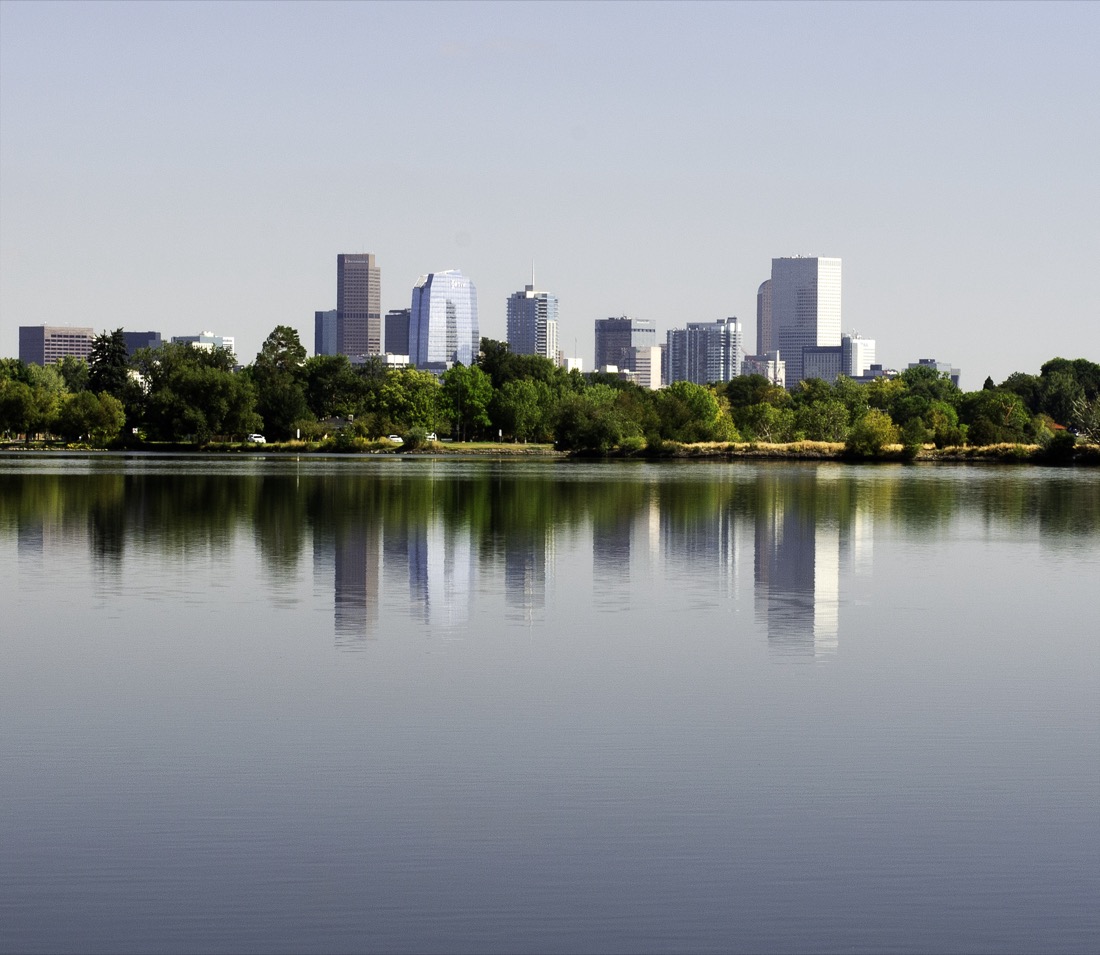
(427, 705)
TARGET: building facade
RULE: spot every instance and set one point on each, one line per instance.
(765, 335)
(770, 365)
(325, 335)
(136, 340)
(443, 327)
(358, 305)
(207, 340)
(805, 308)
(858, 354)
(397, 331)
(46, 344)
(617, 337)
(533, 323)
(705, 352)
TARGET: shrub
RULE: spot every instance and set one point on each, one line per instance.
(873, 432)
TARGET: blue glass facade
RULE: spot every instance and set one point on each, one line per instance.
(443, 321)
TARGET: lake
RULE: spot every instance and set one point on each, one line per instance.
(429, 704)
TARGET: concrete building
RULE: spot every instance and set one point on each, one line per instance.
(207, 340)
(858, 354)
(705, 352)
(646, 367)
(325, 335)
(358, 305)
(824, 362)
(46, 344)
(397, 331)
(771, 366)
(616, 337)
(136, 340)
(765, 333)
(533, 323)
(805, 308)
(443, 327)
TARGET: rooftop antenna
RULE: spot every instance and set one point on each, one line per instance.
(532, 275)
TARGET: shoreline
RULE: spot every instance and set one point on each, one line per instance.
(1085, 455)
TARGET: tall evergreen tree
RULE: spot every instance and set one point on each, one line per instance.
(108, 365)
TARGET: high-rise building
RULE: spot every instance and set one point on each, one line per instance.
(616, 337)
(533, 323)
(705, 352)
(858, 354)
(358, 305)
(647, 365)
(443, 326)
(46, 344)
(325, 328)
(136, 340)
(805, 309)
(765, 334)
(397, 331)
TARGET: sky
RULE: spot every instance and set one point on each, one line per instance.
(190, 166)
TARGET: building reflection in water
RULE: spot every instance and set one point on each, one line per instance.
(528, 557)
(797, 564)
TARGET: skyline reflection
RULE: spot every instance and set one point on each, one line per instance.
(429, 543)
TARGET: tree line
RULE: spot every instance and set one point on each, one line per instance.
(180, 393)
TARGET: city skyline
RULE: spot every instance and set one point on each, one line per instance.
(173, 165)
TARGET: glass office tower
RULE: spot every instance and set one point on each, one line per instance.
(533, 323)
(443, 321)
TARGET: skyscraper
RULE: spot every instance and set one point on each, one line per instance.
(358, 305)
(325, 327)
(443, 321)
(705, 352)
(533, 323)
(397, 331)
(765, 334)
(805, 309)
(616, 337)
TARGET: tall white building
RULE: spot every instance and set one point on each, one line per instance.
(805, 309)
(533, 323)
(858, 354)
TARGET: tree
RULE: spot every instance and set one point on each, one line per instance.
(765, 422)
(87, 415)
(518, 406)
(332, 388)
(190, 392)
(109, 363)
(994, 417)
(467, 391)
(871, 433)
(825, 420)
(75, 371)
(278, 377)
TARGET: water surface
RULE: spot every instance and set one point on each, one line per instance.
(430, 705)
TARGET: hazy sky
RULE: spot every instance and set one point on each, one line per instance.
(199, 165)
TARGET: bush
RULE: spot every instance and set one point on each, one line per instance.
(873, 432)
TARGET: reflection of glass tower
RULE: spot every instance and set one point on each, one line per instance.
(441, 573)
(358, 564)
(443, 321)
(797, 568)
(526, 565)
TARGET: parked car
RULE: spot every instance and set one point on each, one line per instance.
(430, 436)
(395, 438)
(256, 439)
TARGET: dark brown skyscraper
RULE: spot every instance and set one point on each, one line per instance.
(358, 305)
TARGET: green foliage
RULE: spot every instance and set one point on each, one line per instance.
(467, 392)
(593, 421)
(95, 418)
(75, 372)
(332, 388)
(994, 417)
(192, 393)
(824, 420)
(279, 380)
(1086, 419)
(871, 434)
(109, 365)
(765, 422)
